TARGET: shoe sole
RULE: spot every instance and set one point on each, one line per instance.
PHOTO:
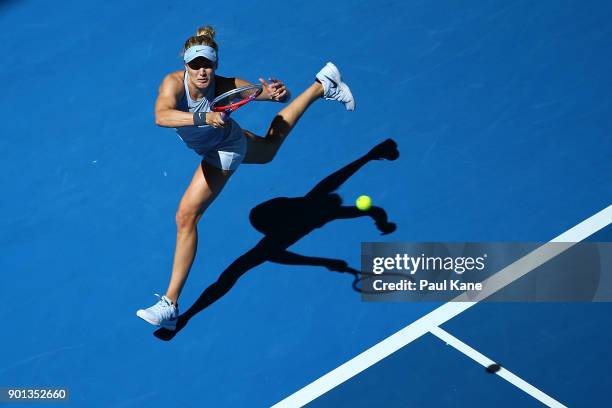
(347, 89)
(334, 68)
(146, 319)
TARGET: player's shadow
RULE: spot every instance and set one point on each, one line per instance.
(284, 221)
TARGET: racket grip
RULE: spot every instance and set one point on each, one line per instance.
(225, 116)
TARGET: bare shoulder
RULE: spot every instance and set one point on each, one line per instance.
(171, 91)
(172, 83)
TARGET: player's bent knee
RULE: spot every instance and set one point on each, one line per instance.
(186, 219)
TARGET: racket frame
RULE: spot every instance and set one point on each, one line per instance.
(227, 109)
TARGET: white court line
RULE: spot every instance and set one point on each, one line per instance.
(504, 373)
(442, 314)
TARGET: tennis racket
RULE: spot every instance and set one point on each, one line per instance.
(234, 99)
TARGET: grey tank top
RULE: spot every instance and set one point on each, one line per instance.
(204, 138)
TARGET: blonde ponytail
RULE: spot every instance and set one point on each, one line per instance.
(204, 35)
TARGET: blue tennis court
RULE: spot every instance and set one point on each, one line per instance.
(501, 114)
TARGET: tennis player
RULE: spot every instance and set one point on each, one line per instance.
(184, 103)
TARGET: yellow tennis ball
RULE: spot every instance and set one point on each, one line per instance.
(364, 202)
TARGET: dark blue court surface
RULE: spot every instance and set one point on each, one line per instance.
(439, 377)
(501, 111)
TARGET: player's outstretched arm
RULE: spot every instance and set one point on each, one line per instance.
(273, 90)
(166, 114)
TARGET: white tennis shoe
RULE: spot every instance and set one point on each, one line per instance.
(333, 87)
(164, 313)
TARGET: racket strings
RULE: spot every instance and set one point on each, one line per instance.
(237, 96)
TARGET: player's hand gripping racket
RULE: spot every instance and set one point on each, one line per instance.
(234, 99)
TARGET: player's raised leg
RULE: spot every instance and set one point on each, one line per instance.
(328, 85)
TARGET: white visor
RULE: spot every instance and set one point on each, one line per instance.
(200, 51)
